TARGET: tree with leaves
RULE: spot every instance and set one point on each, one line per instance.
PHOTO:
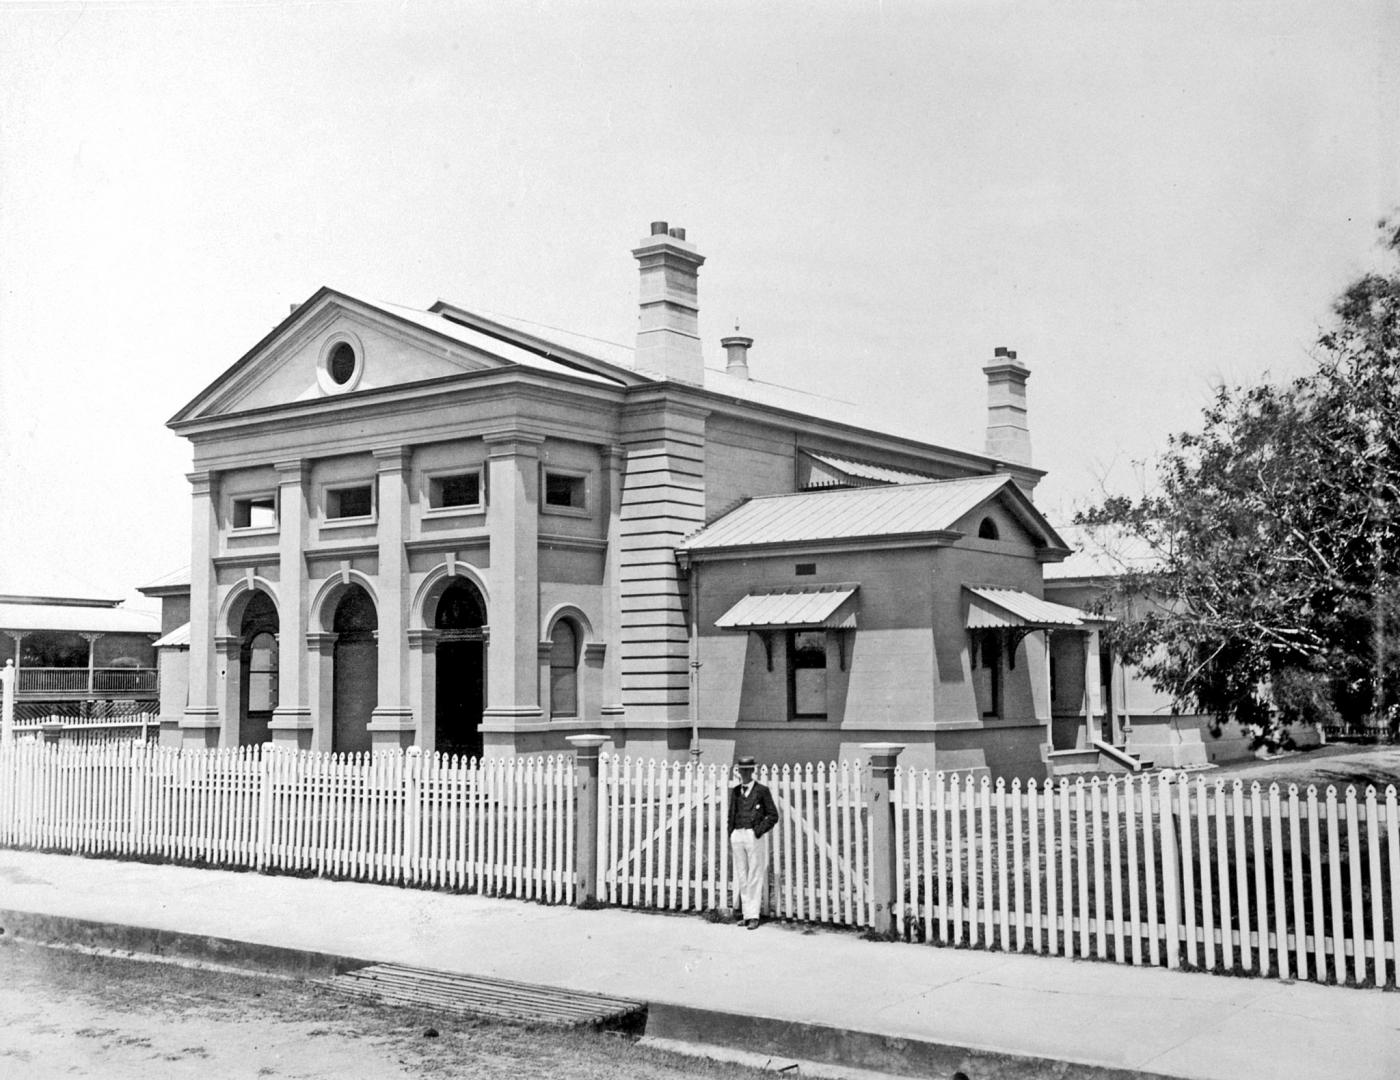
(1274, 576)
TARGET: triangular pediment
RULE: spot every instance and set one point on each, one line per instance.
(299, 362)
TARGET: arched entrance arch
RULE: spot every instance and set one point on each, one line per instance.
(459, 622)
(355, 680)
(256, 671)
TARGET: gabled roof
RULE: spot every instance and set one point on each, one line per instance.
(930, 509)
(476, 339)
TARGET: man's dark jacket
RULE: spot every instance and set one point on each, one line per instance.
(755, 811)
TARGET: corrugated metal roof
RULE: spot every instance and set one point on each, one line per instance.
(897, 510)
(857, 471)
(1103, 554)
(795, 606)
(993, 608)
(173, 580)
(177, 637)
(105, 620)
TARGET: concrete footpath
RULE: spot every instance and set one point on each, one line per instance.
(780, 989)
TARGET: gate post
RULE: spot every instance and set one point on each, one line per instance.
(7, 703)
(586, 826)
(879, 789)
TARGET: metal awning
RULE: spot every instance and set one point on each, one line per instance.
(991, 608)
(823, 607)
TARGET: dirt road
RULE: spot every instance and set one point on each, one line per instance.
(69, 1014)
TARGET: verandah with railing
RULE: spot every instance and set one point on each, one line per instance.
(1149, 871)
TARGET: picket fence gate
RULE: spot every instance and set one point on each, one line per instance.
(499, 826)
(663, 839)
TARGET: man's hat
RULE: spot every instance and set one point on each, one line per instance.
(744, 763)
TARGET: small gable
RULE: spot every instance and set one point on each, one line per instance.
(1007, 517)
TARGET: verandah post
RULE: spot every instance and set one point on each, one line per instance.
(880, 809)
(586, 827)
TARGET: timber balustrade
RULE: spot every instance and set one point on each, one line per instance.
(1162, 871)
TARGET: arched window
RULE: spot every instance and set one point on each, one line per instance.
(988, 530)
(563, 669)
(262, 673)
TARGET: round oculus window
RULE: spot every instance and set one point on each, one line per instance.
(341, 363)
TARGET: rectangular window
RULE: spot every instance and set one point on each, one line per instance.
(987, 654)
(350, 502)
(807, 674)
(806, 569)
(255, 512)
(563, 490)
(456, 491)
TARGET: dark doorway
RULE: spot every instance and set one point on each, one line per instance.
(461, 655)
(257, 669)
(356, 671)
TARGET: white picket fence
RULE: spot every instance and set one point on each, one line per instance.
(500, 826)
(663, 839)
(1217, 875)
(1154, 871)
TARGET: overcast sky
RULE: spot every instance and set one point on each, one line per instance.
(1144, 200)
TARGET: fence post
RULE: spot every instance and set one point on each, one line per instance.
(878, 797)
(1171, 871)
(52, 732)
(263, 844)
(7, 703)
(586, 827)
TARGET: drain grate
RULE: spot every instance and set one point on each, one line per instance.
(476, 996)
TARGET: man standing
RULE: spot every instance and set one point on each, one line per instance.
(752, 815)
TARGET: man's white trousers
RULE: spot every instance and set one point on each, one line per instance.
(750, 870)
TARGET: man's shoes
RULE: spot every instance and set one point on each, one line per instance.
(752, 924)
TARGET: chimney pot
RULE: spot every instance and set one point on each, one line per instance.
(1002, 350)
(677, 232)
(658, 228)
(736, 354)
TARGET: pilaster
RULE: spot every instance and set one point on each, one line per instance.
(203, 718)
(393, 467)
(422, 683)
(320, 653)
(228, 650)
(512, 680)
(292, 712)
(614, 464)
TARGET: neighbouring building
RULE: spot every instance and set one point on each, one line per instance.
(476, 534)
(1131, 715)
(74, 654)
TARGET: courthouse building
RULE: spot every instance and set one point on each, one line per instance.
(473, 534)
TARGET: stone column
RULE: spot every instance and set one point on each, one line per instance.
(320, 687)
(512, 660)
(1091, 682)
(203, 723)
(422, 683)
(586, 828)
(228, 650)
(292, 720)
(614, 462)
(878, 799)
(392, 720)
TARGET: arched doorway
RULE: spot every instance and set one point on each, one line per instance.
(356, 672)
(257, 669)
(460, 616)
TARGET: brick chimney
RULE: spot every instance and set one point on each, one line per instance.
(736, 354)
(668, 335)
(1008, 434)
